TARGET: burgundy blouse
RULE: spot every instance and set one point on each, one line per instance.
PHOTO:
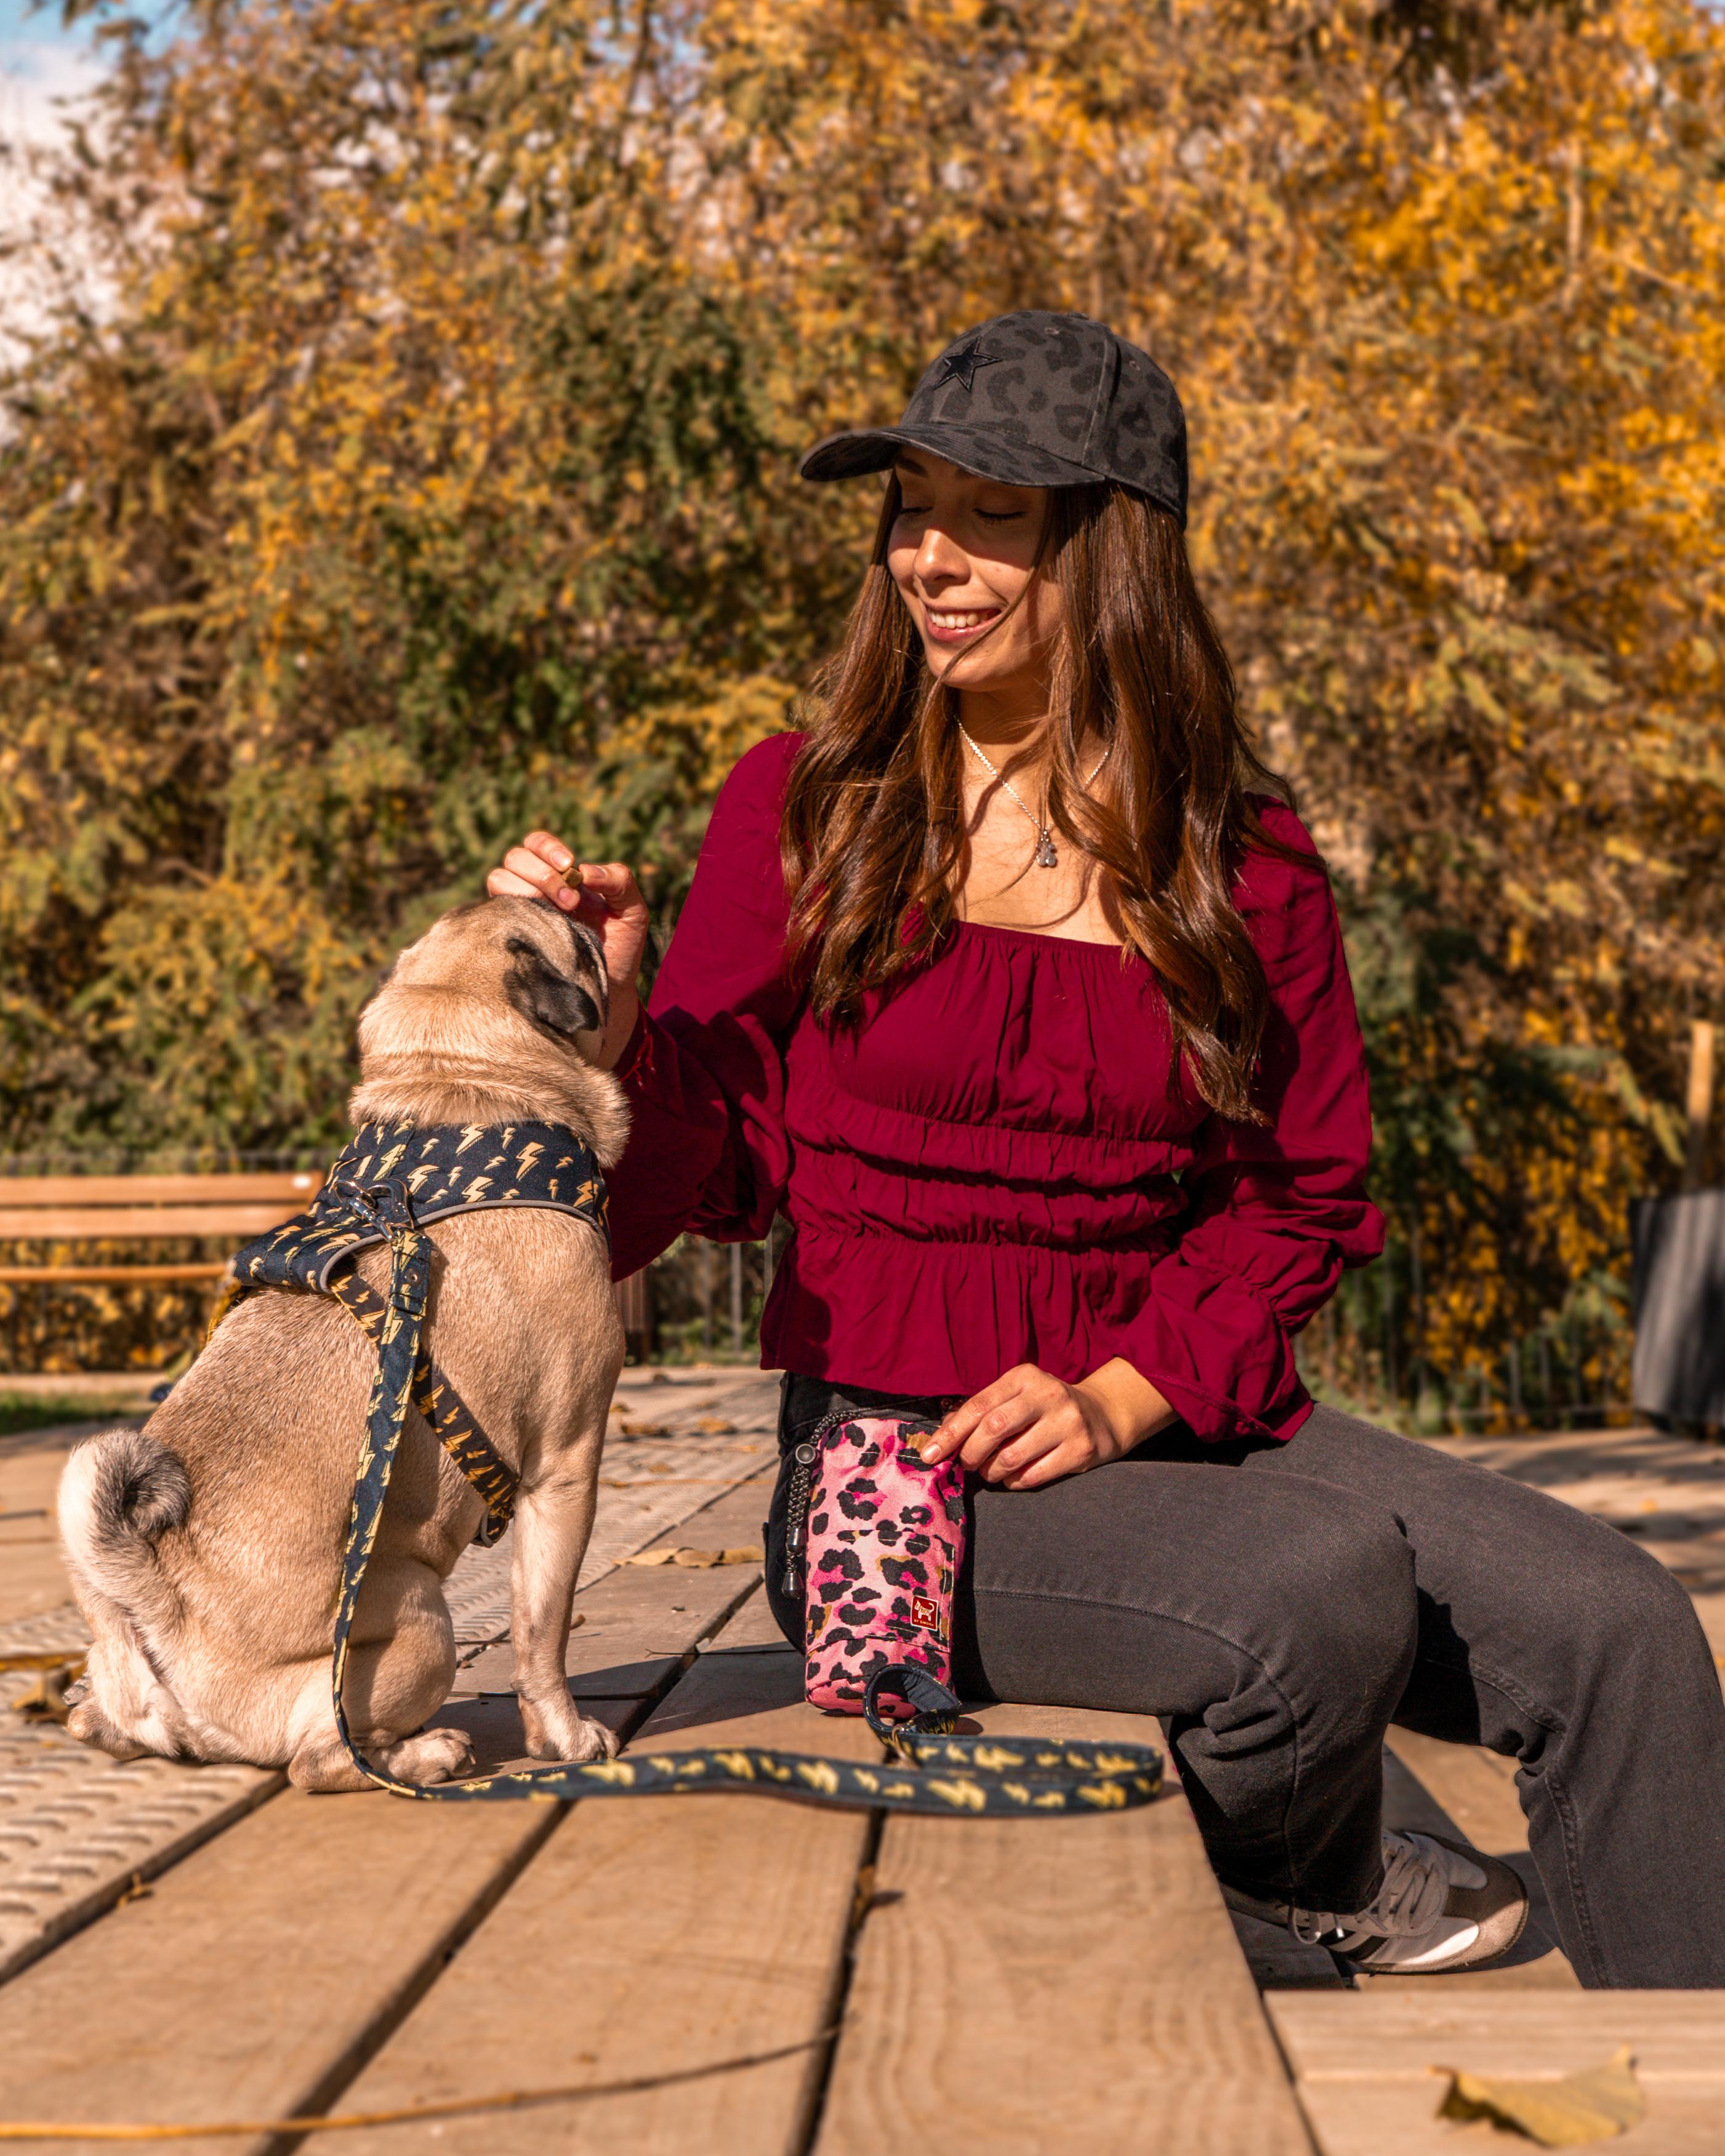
(996, 1170)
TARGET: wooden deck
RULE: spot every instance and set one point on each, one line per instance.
(726, 1973)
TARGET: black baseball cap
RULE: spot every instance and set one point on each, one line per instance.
(1034, 399)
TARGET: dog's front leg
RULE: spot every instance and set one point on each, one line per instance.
(552, 1521)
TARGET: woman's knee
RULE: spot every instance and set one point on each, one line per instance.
(1343, 1588)
(1618, 1612)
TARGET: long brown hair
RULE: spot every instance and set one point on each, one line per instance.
(872, 834)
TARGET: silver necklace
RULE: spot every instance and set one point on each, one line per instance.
(1047, 857)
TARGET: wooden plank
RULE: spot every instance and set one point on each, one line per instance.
(661, 1935)
(1022, 1985)
(138, 1223)
(250, 1980)
(1476, 1788)
(295, 1183)
(34, 1579)
(639, 1623)
(1364, 2062)
(611, 1624)
(754, 1625)
(1675, 2035)
(77, 1829)
(1280, 1961)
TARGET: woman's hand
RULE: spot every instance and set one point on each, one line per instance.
(1027, 1429)
(606, 898)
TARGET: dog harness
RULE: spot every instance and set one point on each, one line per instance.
(388, 1186)
(425, 1173)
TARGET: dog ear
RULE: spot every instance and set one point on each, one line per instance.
(560, 1008)
(588, 946)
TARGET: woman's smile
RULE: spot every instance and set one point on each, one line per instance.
(957, 625)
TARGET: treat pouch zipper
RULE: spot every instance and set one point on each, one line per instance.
(805, 1459)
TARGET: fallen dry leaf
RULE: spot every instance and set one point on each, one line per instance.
(716, 1426)
(1566, 2112)
(644, 1430)
(46, 1700)
(698, 1559)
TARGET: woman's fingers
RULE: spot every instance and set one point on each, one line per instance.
(1053, 1466)
(1026, 1450)
(975, 1431)
(542, 866)
(1026, 1430)
(502, 884)
(549, 847)
(956, 1427)
(530, 871)
(615, 886)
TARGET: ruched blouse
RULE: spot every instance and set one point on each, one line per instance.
(1001, 1166)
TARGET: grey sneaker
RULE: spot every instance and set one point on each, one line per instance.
(1443, 1906)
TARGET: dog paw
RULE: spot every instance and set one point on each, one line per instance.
(434, 1755)
(597, 1742)
(574, 1740)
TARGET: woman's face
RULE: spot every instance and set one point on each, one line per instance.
(961, 551)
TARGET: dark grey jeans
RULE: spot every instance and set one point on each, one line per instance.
(1279, 1605)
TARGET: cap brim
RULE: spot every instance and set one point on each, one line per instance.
(983, 450)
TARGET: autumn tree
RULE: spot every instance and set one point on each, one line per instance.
(431, 473)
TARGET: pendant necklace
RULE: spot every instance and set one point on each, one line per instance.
(1046, 856)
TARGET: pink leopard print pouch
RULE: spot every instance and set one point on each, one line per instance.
(881, 1538)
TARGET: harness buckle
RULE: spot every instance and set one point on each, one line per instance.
(387, 1206)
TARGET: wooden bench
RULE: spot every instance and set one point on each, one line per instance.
(148, 1209)
(145, 1209)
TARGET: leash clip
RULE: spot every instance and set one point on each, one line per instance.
(937, 1709)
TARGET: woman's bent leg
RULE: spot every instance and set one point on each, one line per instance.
(1275, 1638)
(1545, 1634)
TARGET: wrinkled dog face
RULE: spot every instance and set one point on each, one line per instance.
(496, 1013)
(519, 956)
(555, 977)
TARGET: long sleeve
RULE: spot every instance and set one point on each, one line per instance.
(705, 1074)
(1275, 1211)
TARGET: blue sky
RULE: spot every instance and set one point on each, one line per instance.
(38, 62)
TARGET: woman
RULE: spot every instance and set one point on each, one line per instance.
(1018, 986)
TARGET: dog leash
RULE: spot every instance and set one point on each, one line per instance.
(1013, 1776)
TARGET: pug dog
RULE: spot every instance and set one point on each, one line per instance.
(205, 1549)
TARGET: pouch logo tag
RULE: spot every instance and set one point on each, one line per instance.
(925, 1610)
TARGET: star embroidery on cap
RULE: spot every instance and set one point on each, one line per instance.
(961, 366)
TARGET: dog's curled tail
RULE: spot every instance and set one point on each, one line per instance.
(120, 1494)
